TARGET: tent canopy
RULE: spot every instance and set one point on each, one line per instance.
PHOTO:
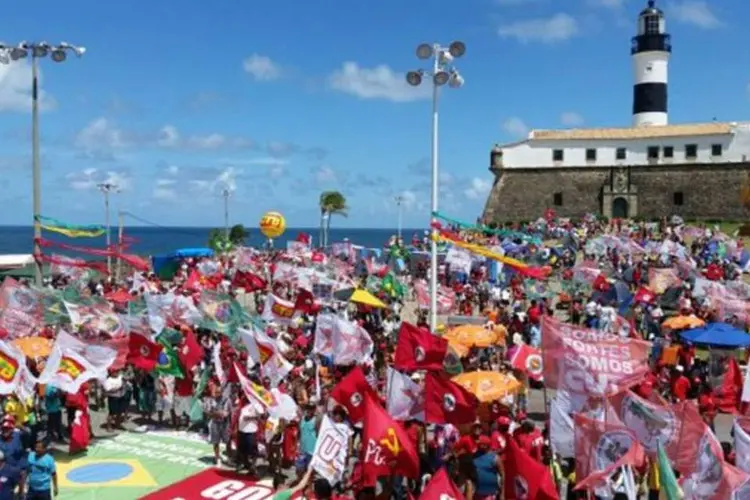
(717, 334)
(184, 253)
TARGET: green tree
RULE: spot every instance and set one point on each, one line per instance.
(331, 203)
(238, 234)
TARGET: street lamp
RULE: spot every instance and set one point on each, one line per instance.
(106, 188)
(58, 53)
(443, 72)
(399, 199)
(226, 193)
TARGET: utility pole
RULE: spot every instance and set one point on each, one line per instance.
(120, 232)
(106, 188)
(399, 201)
(226, 193)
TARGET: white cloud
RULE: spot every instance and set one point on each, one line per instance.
(173, 170)
(225, 179)
(211, 141)
(478, 189)
(165, 182)
(90, 178)
(15, 87)
(276, 170)
(557, 28)
(325, 174)
(609, 4)
(168, 136)
(380, 82)
(164, 194)
(571, 119)
(408, 199)
(261, 68)
(694, 12)
(516, 127)
(100, 134)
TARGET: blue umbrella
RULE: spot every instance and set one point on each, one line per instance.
(717, 334)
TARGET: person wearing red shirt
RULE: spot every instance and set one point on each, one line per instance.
(707, 405)
(680, 384)
(530, 440)
(183, 397)
(500, 436)
(534, 313)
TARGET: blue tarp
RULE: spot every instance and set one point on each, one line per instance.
(159, 262)
(185, 253)
(717, 334)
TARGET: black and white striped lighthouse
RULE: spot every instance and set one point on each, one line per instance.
(650, 50)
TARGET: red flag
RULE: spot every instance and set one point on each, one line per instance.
(525, 478)
(304, 238)
(528, 360)
(190, 351)
(447, 402)
(727, 395)
(142, 353)
(418, 349)
(350, 393)
(80, 437)
(251, 282)
(603, 447)
(386, 448)
(441, 487)
(305, 302)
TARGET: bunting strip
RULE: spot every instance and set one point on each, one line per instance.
(505, 233)
(71, 230)
(521, 267)
(99, 252)
(64, 262)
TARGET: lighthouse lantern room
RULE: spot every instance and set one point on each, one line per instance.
(650, 51)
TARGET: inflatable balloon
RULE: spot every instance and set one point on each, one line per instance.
(272, 225)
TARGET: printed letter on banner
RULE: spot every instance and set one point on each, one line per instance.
(587, 361)
(331, 449)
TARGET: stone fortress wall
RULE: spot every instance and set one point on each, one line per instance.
(708, 191)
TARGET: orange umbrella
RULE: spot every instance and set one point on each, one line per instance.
(683, 322)
(476, 335)
(488, 386)
(34, 347)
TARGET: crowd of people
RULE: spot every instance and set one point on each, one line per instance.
(231, 346)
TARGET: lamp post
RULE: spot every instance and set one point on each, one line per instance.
(442, 72)
(226, 193)
(58, 53)
(399, 199)
(106, 188)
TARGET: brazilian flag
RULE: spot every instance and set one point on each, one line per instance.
(168, 362)
(196, 408)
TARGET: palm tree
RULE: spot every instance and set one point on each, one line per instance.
(331, 203)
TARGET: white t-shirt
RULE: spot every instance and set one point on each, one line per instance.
(248, 419)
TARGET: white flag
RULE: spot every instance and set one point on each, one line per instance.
(405, 398)
(561, 432)
(742, 444)
(12, 368)
(324, 326)
(351, 343)
(68, 370)
(331, 450)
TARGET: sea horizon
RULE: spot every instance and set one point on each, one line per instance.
(149, 240)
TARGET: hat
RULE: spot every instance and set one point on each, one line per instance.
(679, 368)
(8, 423)
(503, 421)
(484, 441)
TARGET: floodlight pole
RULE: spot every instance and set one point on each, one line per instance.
(399, 200)
(442, 72)
(36, 51)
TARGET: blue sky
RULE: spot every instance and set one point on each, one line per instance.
(280, 100)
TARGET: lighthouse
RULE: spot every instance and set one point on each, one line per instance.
(650, 51)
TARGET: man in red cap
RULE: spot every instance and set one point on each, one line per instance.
(529, 439)
(501, 435)
(488, 466)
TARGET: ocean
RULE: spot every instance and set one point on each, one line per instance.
(160, 240)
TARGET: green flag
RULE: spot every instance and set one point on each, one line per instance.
(670, 490)
(169, 337)
(221, 313)
(169, 362)
(196, 408)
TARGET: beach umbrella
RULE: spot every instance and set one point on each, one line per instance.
(488, 386)
(682, 322)
(717, 334)
(34, 347)
(476, 335)
(359, 296)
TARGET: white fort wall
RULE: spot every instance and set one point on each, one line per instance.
(539, 152)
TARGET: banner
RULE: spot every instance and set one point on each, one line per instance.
(215, 483)
(446, 298)
(278, 310)
(742, 443)
(70, 230)
(331, 450)
(586, 361)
